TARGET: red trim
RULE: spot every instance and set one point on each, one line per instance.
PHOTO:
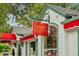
(71, 24)
(27, 38)
(7, 36)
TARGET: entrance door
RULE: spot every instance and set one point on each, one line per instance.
(32, 48)
(50, 43)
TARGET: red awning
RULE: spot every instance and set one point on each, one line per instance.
(71, 25)
(7, 36)
(27, 38)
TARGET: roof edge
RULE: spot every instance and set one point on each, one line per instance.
(53, 8)
(70, 20)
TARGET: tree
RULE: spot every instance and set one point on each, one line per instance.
(27, 12)
(4, 10)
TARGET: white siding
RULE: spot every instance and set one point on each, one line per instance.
(71, 43)
(61, 41)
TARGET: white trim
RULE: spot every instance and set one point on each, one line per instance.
(72, 28)
(51, 49)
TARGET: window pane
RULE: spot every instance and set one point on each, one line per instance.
(32, 49)
(54, 41)
(51, 41)
(53, 30)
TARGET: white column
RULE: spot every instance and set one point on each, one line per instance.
(17, 48)
(61, 41)
(24, 49)
(28, 49)
(21, 50)
(42, 43)
(17, 45)
(39, 45)
(16, 52)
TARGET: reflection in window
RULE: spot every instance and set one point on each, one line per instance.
(32, 49)
(50, 42)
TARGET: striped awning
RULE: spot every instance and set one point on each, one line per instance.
(27, 38)
(71, 25)
(7, 36)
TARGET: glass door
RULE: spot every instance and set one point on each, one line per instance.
(50, 43)
(32, 48)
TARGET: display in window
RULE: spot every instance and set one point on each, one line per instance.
(50, 52)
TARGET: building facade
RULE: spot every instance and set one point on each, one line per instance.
(64, 29)
(63, 38)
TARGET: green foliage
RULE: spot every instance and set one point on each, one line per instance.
(4, 10)
(61, 4)
(24, 21)
(4, 27)
(4, 46)
(32, 11)
(35, 10)
(74, 6)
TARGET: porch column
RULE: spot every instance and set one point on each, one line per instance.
(16, 52)
(42, 42)
(28, 48)
(17, 46)
(16, 49)
(24, 49)
(39, 45)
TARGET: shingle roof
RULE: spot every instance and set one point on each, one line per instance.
(64, 10)
(22, 30)
(67, 11)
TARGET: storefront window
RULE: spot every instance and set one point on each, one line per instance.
(32, 49)
(50, 44)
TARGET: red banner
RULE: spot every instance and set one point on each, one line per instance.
(39, 28)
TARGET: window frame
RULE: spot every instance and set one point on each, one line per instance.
(56, 26)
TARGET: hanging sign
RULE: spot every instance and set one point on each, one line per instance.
(39, 28)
